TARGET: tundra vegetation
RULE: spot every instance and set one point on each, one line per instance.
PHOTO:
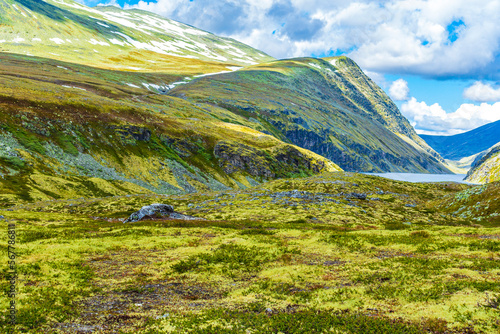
(336, 252)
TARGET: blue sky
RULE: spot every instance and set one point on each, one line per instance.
(439, 60)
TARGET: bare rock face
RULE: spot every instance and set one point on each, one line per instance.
(157, 211)
(234, 157)
(279, 162)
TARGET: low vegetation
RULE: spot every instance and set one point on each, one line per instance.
(338, 252)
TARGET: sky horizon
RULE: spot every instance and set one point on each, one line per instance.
(438, 60)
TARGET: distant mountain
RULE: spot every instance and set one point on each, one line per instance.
(487, 168)
(109, 37)
(465, 144)
(328, 106)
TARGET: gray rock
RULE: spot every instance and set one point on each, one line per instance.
(157, 211)
(357, 196)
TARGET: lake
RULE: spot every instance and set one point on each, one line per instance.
(417, 177)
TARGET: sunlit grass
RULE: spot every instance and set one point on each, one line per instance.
(259, 266)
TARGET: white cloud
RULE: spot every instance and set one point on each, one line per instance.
(482, 92)
(399, 90)
(393, 36)
(434, 119)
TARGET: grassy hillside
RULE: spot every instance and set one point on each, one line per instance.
(340, 252)
(69, 131)
(487, 168)
(109, 37)
(327, 106)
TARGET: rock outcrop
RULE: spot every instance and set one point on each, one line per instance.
(486, 169)
(282, 161)
(157, 211)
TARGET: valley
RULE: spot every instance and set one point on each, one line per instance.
(278, 172)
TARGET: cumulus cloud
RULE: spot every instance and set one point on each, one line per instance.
(482, 92)
(399, 90)
(434, 119)
(433, 38)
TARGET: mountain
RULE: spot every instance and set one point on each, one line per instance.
(487, 168)
(465, 144)
(70, 131)
(102, 101)
(328, 106)
(109, 37)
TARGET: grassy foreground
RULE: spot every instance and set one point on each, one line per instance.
(334, 253)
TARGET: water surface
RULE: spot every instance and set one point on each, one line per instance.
(417, 177)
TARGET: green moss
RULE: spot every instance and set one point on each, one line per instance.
(13, 162)
(66, 143)
(28, 140)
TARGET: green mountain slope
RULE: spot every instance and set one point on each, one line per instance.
(70, 130)
(487, 168)
(113, 38)
(328, 106)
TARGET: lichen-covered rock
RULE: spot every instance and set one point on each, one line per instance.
(282, 161)
(159, 211)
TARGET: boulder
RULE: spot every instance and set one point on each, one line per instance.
(157, 211)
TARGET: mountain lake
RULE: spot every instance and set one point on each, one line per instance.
(420, 177)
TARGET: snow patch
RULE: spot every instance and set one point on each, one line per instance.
(315, 65)
(132, 85)
(102, 24)
(156, 87)
(36, 39)
(96, 42)
(57, 40)
(117, 42)
(62, 67)
(19, 10)
(207, 74)
(74, 87)
(18, 40)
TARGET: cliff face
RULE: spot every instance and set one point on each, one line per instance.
(486, 169)
(328, 106)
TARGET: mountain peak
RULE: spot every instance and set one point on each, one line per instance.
(107, 36)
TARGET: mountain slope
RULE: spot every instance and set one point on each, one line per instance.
(465, 144)
(113, 38)
(70, 131)
(328, 106)
(487, 168)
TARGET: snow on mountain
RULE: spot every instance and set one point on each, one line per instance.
(98, 35)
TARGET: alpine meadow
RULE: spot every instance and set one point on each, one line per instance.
(160, 178)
